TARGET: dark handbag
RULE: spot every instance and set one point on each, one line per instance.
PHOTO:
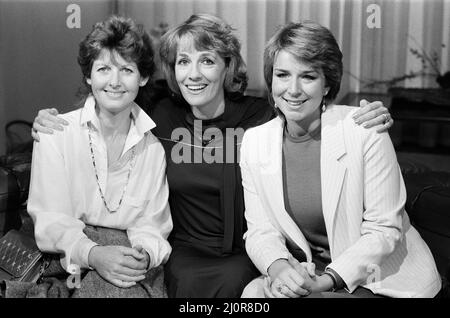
(20, 258)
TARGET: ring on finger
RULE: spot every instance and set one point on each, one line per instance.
(280, 288)
(386, 119)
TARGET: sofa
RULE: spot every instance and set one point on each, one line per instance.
(428, 205)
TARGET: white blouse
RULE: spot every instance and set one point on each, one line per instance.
(64, 195)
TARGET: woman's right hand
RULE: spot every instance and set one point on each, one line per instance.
(117, 264)
(47, 121)
(287, 281)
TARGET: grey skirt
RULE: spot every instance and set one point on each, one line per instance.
(57, 283)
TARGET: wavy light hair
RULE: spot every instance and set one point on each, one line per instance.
(209, 33)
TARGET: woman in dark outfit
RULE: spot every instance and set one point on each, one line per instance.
(207, 75)
(208, 257)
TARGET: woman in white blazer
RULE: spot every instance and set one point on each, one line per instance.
(324, 197)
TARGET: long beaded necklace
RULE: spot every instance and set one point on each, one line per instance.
(132, 162)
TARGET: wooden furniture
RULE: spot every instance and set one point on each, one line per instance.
(431, 105)
(422, 117)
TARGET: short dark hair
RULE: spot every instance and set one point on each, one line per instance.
(123, 36)
(208, 33)
(309, 42)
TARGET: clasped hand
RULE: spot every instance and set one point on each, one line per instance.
(290, 279)
(121, 266)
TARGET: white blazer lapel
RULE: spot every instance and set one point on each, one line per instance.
(272, 179)
(331, 169)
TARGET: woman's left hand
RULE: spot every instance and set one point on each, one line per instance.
(287, 281)
(319, 283)
(144, 258)
(373, 114)
(119, 265)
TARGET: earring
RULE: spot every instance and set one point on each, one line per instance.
(324, 106)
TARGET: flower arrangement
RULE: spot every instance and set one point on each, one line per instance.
(430, 63)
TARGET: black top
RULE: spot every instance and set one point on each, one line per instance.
(206, 195)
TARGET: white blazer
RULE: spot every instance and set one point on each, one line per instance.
(372, 242)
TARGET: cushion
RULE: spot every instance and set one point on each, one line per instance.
(428, 200)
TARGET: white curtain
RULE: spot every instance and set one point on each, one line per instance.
(369, 53)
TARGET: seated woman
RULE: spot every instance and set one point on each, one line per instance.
(321, 190)
(91, 173)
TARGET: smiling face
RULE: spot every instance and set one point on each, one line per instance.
(200, 76)
(297, 88)
(114, 82)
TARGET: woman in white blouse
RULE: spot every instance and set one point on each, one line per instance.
(91, 173)
(321, 190)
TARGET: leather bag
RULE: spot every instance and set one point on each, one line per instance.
(20, 258)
